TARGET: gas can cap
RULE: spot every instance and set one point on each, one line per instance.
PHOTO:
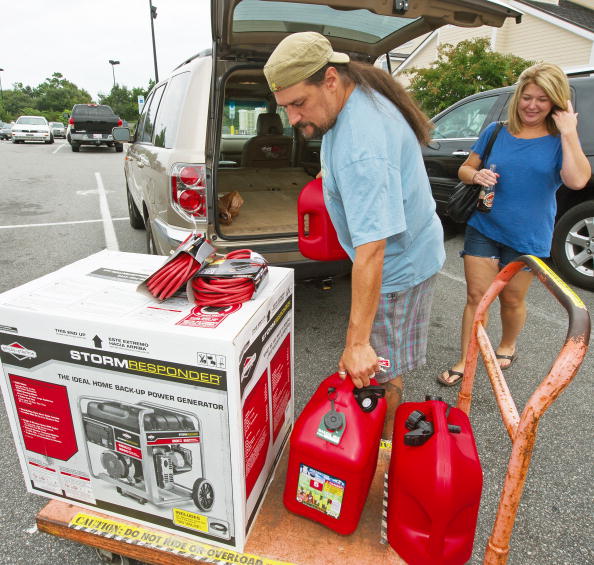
(333, 420)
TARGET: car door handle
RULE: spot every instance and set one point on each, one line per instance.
(461, 153)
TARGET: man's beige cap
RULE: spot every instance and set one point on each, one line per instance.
(299, 56)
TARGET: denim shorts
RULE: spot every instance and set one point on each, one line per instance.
(478, 245)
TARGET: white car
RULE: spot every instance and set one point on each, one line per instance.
(58, 129)
(31, 128)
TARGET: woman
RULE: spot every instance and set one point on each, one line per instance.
(536, 151)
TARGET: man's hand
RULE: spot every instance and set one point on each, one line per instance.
(359, 362)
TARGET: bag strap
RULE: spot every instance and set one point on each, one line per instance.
(490, 143)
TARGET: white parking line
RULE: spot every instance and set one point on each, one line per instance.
(57, 224)
(57, 148)
(538, 312)
(111, 240)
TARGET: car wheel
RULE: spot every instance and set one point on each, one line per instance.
(573, 245)
(75, 147)
(136, 219)
(151, 246)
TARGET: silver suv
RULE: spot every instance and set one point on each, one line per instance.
(211, 132)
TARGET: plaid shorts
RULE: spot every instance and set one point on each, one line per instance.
(400, 328)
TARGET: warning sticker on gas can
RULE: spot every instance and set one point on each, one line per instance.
(320, 491)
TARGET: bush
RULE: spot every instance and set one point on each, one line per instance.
(461, 70)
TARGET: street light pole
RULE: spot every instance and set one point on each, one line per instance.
(1, 94)
(113, 64)
(154, 16)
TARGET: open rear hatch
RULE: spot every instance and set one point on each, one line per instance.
(259, 154)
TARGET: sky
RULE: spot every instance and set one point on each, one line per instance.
(78, 38)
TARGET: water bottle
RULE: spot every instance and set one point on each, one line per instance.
(486, 196)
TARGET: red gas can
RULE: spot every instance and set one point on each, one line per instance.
(333, 453)
(320, 242)
(434, 484)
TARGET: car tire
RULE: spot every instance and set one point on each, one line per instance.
(573, 245)
(119, 147)
(75, 147)
(151, 246)
(136, 219)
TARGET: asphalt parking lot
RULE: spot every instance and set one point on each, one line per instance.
(60, 206)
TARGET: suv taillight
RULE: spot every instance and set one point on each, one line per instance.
(71, 121)
(188, 190)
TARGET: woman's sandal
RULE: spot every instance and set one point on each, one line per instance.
(511, 358)
(451, 373)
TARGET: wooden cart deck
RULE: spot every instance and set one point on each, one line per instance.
(277, 535)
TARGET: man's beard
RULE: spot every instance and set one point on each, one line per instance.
(317, 131)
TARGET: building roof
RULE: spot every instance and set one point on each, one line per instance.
(568, 11)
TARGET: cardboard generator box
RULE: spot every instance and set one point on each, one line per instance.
(165, 413)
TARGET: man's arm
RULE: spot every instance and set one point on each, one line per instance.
(359, 359)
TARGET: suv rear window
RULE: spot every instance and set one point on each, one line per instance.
(257, 16)
(170, 110)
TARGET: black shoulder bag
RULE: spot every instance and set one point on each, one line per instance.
(462, 203)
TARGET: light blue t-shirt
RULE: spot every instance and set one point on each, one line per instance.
(376, 187)
(524, 208)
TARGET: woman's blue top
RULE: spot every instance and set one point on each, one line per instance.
(523, 213)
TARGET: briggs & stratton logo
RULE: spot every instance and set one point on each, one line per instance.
(18, 351)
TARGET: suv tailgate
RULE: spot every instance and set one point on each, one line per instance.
(366, 27)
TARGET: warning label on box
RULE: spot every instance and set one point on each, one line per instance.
(44, 416)
(256, 431)
(280, 376)
(208, 316)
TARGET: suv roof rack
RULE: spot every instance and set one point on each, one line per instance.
(204, 53)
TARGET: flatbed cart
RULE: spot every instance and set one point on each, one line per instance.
(280, 538)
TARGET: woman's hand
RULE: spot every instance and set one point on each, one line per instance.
(485, 177)
(565, 120)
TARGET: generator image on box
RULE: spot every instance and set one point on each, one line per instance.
(143, 448)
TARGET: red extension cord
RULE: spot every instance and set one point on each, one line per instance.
(224, 291)
(169, 278)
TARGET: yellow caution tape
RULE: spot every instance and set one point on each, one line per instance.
(166, 542)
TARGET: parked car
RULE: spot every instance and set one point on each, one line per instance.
(91, 124)
(58, 129)
(31, 128)
(5, 130)
(458, 127)
(213, 127)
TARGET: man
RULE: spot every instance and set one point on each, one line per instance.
(378, 197)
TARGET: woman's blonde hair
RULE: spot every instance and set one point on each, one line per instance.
(553, 81)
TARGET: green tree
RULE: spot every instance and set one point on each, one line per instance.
(15, 100)
(57, 93)
(461, 70)
(123, 101)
